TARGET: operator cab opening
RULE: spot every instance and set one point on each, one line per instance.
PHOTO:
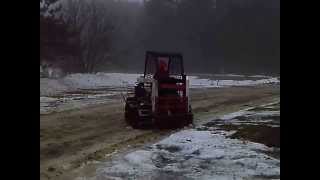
(167, 69)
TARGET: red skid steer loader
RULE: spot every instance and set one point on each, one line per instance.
(161, 95)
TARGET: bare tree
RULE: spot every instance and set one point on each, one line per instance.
(92, 19)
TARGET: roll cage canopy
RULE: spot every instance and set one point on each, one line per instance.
(155, 60)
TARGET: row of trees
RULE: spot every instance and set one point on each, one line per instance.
(86, 35)
(240, 35)
(58, 40)
(215, 35)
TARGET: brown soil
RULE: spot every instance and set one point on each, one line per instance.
(270, 136)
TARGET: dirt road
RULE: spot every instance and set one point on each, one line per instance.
(70, 139)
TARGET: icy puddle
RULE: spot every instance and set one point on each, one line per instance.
(211, 151)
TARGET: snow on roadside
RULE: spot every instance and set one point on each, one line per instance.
(93, 81)
(192, 154)
(111, 84)
(196, 82)
(73, 101)
(101, 80)
(200, 154)
(49, 87)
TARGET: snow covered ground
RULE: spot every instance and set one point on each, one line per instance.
(75, 100)
(198, 153)
(79, 90)
(93, 81)
(196, 82)
(102, 80)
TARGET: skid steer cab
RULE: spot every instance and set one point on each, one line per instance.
(161, 95)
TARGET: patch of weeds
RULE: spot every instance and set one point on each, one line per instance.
(275, 153)
(270, 136)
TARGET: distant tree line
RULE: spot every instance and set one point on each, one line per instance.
(214, 35)
(58, 40)
(217, 35)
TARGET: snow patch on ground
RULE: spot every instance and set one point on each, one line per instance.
(192, 154)
(93, 81)
(101, 80)
(49, 87)
(196, 82)
(60, 94)
(202, 153)
(49, 105)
